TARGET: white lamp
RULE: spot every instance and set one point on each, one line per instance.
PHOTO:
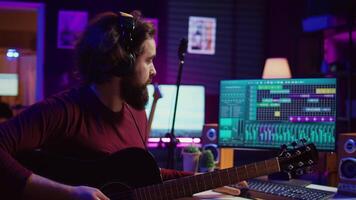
(276, 68)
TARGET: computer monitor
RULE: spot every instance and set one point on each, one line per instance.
(190, 115)
(9, 84)
(267, 113)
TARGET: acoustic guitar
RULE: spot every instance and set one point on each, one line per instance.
(133, 173)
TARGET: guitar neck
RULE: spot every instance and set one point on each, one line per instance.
(188, 186)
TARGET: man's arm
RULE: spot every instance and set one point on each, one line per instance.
(39, 188)
(27, 131)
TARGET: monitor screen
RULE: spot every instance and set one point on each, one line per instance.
(190, 115)
(267, 113)
(8, 84)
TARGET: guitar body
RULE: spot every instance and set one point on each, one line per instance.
(115, 175)
(133, 173)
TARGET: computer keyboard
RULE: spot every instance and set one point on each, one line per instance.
(285, 191)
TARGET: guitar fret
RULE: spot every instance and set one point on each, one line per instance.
(135, 194)
(219, 172)
(251, 170)
(246, 171)
(204, 183)
(215, 179)
(199, 181)
(277, 163)
(182, 183)
(161, 193)
(196, 189)
(149, 193)
(172, 190)
(266, 166)
(228, 177)
(177, 187)
(263, 168)
(155, 191)
(237, 175)
(138, 194)
(190, 187)
(211, 180)
(255, 165)
(144, 193)
(165, 189)
(174, 187)
(243, 173)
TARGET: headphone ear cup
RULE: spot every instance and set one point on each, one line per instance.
(125, 66)
(132, 60)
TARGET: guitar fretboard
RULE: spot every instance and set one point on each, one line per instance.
(188, 186)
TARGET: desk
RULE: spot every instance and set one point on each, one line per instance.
(218, 196)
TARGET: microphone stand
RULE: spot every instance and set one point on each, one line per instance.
(173, 140)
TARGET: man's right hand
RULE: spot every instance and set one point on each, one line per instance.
(87, 193)
(38, 187)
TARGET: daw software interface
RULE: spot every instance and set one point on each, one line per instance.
(266, 113)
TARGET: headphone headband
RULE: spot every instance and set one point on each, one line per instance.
(127, 26)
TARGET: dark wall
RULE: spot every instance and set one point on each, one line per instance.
(239, 45)
(285, 37)
(59, 63)
(248, 32)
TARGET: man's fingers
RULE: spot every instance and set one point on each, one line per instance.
(228, 190)
(243, 184)
(101, 196)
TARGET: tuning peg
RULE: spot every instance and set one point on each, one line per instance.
(299, 172)
(303, 141)
(284, 147)
(294, 144)
(283, 150)
(308, 170)
(300, 164)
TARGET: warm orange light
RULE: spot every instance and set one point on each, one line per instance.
(276, 68)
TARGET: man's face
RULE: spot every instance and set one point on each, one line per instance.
(134, 90)
(144, 68)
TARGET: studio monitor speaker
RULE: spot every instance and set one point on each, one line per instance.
(347, 163)
(209, 139)
(224, 157)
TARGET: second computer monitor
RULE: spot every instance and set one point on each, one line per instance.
(190, 116)
(266, 113)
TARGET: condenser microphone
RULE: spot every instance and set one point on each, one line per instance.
(182, 49)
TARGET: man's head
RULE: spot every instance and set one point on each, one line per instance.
(119, 45)
(5, 112)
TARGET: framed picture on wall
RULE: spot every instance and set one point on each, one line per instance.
(70, 25)
(201, 35)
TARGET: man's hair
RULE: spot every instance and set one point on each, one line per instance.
(98, 50)
(5, 111)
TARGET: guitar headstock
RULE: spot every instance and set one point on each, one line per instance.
(298, 160)
(157, 93)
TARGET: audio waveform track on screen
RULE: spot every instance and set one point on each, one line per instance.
(268, 113)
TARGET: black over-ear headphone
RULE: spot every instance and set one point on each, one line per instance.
(125, 65)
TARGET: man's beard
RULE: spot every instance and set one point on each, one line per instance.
(135, 94)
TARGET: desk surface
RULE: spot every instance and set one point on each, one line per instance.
(218, 196)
